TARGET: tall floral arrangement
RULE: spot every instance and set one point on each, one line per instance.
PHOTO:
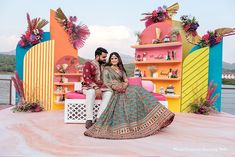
(34, 32)
(205, 105)
(77, 33)
(23, 105)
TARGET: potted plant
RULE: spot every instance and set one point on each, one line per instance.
(138, 34)
(174, 35)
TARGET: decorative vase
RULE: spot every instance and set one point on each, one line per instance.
(158, 32)
(155, 75)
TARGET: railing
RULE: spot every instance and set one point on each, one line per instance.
(228, 100)
(10, 89)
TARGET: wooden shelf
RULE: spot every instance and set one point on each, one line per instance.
(161, 78)
(60, 93)
(59, 102)
(157, 62)
(172, 96)
(169, 44)
(63, 84)
(67, 74)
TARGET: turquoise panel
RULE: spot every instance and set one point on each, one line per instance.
(20, 53)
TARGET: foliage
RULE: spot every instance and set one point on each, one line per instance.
(34, 32)
(28, 107)
(7, 63)
(190, 25)
(77, 33)
(23, 105)
(205, 105)
(211, 38)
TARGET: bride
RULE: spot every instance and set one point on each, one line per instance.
(132, 111)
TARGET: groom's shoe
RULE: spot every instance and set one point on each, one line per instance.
(88, 124)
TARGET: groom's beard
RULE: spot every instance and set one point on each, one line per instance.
(101, 62)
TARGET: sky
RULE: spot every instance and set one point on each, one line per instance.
(113, 23)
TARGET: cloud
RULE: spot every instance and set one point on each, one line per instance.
(8, 43)
(112, 38)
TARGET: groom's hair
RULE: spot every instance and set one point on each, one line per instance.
(99, 51)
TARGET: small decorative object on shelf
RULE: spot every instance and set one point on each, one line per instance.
(164, 74)
(59, 89)
(65, 89)
(159, 57)
(144, 56)
(174, 35)
(137, 73)
(60, 98)
(152, 70)
(33, 35)
(166, 38)
(170, 73)
(138, 58)
(170, 90)
(168, 56)
(61, 68)
(144, 74)
(174, 74)
(155, 75)
(79, 68)
(158, 32)
(162, 90)
(64, 79)
(173, 55)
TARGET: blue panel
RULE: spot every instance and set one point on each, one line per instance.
(20, 53)
(215, 69)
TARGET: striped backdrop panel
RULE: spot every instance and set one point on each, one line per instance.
(38, 73)
(195, 77)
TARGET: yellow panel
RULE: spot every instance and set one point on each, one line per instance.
(174, 104)
(195, 77)
(38, 73)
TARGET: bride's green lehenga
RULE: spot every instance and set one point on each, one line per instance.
(133, 113)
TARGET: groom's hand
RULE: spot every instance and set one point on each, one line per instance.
(98, 93)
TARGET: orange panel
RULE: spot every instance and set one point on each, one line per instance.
(62, 45)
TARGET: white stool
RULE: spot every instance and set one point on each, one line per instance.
(75, 110)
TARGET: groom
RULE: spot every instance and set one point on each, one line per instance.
(93, 86)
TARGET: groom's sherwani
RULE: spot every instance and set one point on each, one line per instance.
(92, 80)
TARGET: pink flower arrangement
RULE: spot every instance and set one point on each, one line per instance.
(211, 38)
(33, 35)
(77, 33)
